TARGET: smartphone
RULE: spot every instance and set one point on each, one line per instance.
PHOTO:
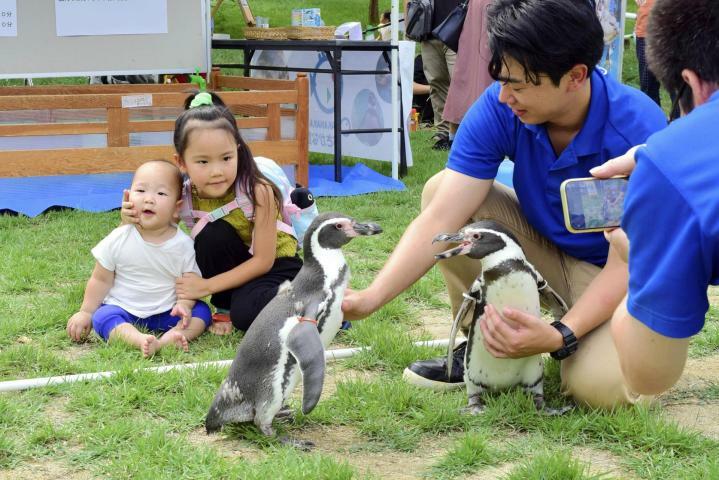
(593, 204)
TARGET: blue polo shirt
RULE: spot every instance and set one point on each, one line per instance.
(619, 118)
(671, 216)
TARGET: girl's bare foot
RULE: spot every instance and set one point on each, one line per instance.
(149, 346)
(221, 328)
(175, 337)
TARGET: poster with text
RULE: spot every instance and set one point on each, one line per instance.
(366, 99)
(8, 18)
(110, 17)
(611, 16)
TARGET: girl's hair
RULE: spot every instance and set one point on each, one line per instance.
(219, 116)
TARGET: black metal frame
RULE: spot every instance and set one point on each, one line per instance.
(333, 51)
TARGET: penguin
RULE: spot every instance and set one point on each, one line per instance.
(290, 334)
(507, 279)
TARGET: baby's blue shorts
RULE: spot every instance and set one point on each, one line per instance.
(107, 317)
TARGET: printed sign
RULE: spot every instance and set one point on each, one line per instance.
(611, 16)
(366, 99)
(110, 17)
(8, 18)
(134, 101)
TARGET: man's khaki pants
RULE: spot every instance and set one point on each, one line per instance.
(592, 376)
(438, 61)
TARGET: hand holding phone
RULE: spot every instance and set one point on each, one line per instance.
(593, 204)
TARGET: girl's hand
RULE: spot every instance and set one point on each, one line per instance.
(180, 310)
(128, 214)
(527, 335)
(79, 325)
(192, 287)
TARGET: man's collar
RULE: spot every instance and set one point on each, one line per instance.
(589, 139)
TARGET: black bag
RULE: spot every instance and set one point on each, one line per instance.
(419, 20)
(449, 30)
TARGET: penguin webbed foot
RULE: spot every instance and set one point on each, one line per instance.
(474, 407)
(285, 414)
(556, 412)
(549, 411)
(304, 445)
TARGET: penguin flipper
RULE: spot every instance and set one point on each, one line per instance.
(468, 302)
(551, 299)
(548, 297)
(305, 344)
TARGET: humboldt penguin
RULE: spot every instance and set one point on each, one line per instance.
(290, 334)
(507, 279)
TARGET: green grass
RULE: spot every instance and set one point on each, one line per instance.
(145, 425)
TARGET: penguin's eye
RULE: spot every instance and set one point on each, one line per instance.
(476, 236)
(338, 226)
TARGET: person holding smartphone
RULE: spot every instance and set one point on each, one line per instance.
(670, 226)
(556, 116)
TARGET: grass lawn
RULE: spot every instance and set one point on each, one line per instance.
(369, 424)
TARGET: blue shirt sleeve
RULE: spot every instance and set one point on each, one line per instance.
(485, 137)
(667, 269)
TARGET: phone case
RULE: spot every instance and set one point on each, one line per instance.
(565, 209)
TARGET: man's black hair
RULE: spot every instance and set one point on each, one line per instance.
(683, 34)
(546, 37)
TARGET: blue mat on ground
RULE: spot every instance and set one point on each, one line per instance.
(356, 180)
(102, 192)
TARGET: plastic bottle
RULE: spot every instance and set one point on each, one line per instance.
(413, 120)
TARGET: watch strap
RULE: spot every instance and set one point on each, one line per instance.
(569, 340)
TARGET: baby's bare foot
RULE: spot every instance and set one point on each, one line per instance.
(221, 328)
(176, 338)
(149, 346)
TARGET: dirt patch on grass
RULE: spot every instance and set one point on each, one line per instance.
(347, 444)
(46, 470)
(227, 447)
(435, 324)
(601, 462)
(77, 351)
(697, 416)
(691, 412)
(698, 372)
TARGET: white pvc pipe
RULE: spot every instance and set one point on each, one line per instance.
(16, 385)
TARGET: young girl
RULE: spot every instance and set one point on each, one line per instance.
(133, 283)
(243, 261)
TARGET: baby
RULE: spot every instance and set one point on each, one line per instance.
(133, 283)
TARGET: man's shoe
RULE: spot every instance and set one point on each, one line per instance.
(443, 143)
(433, 373)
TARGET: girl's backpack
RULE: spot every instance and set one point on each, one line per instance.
(298, 207)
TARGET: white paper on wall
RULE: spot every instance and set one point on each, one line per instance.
(110, 17)
(8, 18)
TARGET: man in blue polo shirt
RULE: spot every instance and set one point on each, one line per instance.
(671, 215)
(555, 116)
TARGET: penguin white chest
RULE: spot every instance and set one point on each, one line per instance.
(517, 290)
(336, 277)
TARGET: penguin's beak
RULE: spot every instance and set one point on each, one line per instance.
(364, 229)
(463, 248)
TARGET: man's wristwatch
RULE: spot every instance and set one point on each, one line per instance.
(569, 340)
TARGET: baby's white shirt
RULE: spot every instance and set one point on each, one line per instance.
(145, 273)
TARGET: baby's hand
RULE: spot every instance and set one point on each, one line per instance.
(128, 214)
(185, 314)
(78, 326)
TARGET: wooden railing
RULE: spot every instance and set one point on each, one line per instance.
(260, 104)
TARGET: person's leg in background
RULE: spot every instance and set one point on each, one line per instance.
(648, 83)
(438, 65)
